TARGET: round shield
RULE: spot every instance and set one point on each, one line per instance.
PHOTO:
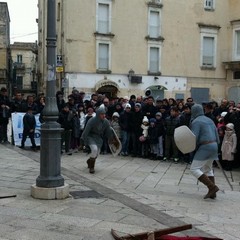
(185, 139)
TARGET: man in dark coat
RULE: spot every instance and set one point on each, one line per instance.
(29, 125)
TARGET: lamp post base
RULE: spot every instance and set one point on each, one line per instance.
(55, 193)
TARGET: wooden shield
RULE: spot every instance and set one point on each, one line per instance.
(185, 139)
(114, 144)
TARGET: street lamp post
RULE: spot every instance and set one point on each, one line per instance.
(50, 183)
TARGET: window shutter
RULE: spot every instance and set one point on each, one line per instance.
(154, 60)
(103, 18)
(154, 24)
(208, 51)
(103, 56)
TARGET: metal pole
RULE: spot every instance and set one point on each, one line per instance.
(50, 153)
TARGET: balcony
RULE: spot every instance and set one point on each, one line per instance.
(19, 66)
(232, 65)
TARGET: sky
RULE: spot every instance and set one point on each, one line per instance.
(23, 15)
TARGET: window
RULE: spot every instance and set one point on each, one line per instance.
(208, 47)
(19, 82)
(236, 44)
(103, 56)
(154, 56)
(209, 4)
(154, 24)
(236, 75)
(19, 58)
(103, 18)
(208, 52)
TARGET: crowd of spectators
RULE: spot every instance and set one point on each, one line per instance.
(144, 125)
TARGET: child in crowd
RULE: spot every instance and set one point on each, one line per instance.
(115, 124)
(29, 125)
(144, 137)
(153, 138)
(229, 147)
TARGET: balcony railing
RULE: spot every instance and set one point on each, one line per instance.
(19, 65)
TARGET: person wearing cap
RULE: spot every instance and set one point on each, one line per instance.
(29, 125)
(96, 128)
(115, 124)
(124, 122)
(229, 147)
(207, 141)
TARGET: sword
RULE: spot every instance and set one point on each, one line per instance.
(220, 166)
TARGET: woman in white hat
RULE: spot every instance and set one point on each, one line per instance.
(229, 147)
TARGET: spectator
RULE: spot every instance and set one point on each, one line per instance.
(153, 138)
(124, 122)
(171, 123)
(229, 147)
(29, 125)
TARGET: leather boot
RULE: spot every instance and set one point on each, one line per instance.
(212, 179)
(212, 188)
(91, 164)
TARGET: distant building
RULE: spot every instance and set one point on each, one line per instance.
(4, 44)
(24, 65)
(164, 48)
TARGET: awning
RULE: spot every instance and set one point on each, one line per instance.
(104, 83)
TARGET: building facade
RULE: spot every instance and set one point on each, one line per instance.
(24, 67)
(4, 44)
(166, 48)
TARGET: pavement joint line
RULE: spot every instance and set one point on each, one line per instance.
(144, 209)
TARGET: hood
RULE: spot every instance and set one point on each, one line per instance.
(101, 109)
(196, 111)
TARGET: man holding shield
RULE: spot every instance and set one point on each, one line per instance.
(207, 141)
(98, 128)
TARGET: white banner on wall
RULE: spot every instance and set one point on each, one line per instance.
(17, 126)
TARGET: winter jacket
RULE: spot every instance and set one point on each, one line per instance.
(207, 138)
(152, 135)
(96, 129)
(124, 121)
(170, 124)
(29, 122)
(229, 145)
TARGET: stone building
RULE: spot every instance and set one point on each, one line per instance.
(24, 66)
(166, 48)
(4, 44)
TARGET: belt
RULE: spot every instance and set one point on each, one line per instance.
(207, 142)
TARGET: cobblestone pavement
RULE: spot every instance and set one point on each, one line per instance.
(128, 194)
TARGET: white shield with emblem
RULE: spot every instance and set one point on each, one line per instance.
(114, 144)
(185, 139)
